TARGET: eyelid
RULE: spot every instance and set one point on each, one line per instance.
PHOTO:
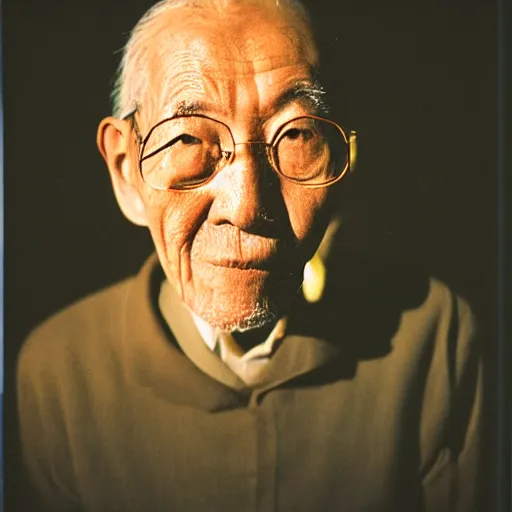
(272, 126)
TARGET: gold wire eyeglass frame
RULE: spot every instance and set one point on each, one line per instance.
(351, 142)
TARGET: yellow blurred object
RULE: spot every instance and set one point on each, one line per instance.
(314, 279)
(352, 144)
(315, 273)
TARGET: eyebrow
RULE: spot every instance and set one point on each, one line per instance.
(307, 92)
(188, 107)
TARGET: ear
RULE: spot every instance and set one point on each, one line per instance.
(113, 141)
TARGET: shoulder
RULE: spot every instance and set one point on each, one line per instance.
(74, 330)
(88, 311)
(414, 338)
(381, 307)
(91, 330)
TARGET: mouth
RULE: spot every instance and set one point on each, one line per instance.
(231, 249)
(262, 264)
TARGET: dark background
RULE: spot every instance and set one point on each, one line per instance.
(417, 81)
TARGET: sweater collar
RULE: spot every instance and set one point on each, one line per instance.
(155, 361)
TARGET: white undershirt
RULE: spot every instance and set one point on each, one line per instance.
(249, 365)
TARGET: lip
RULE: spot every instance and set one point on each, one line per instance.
(263, 264)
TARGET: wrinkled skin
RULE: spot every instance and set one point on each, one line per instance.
(235, 248)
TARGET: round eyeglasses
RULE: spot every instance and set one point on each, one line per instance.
(185, 152)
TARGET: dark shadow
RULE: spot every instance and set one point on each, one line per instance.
(362, 304)
(360, 313)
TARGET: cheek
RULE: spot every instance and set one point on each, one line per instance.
(173, 219)
(308, 211)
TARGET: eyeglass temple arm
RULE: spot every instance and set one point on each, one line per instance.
(131, 116)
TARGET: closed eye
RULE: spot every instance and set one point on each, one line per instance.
(296, 133)
(185, 138)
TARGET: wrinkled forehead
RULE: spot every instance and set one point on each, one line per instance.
(244, 42)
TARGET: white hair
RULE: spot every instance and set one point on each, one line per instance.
(132, 78)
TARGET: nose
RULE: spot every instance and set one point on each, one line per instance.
(245, 191)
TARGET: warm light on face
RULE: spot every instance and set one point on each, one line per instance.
(235, 247)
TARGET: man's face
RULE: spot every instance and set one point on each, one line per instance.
(234, 248)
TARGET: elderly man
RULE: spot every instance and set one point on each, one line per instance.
(224, 377)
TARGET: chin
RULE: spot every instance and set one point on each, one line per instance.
(232, 299)
(235, 314)
(241, 308)
(258, 318)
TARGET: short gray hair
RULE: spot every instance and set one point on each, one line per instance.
(132, 77)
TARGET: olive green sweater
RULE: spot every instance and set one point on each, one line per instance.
(372, 404)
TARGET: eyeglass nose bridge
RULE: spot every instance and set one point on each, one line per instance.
(230, 155)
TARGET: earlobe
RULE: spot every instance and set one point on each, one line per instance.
(113, 143)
